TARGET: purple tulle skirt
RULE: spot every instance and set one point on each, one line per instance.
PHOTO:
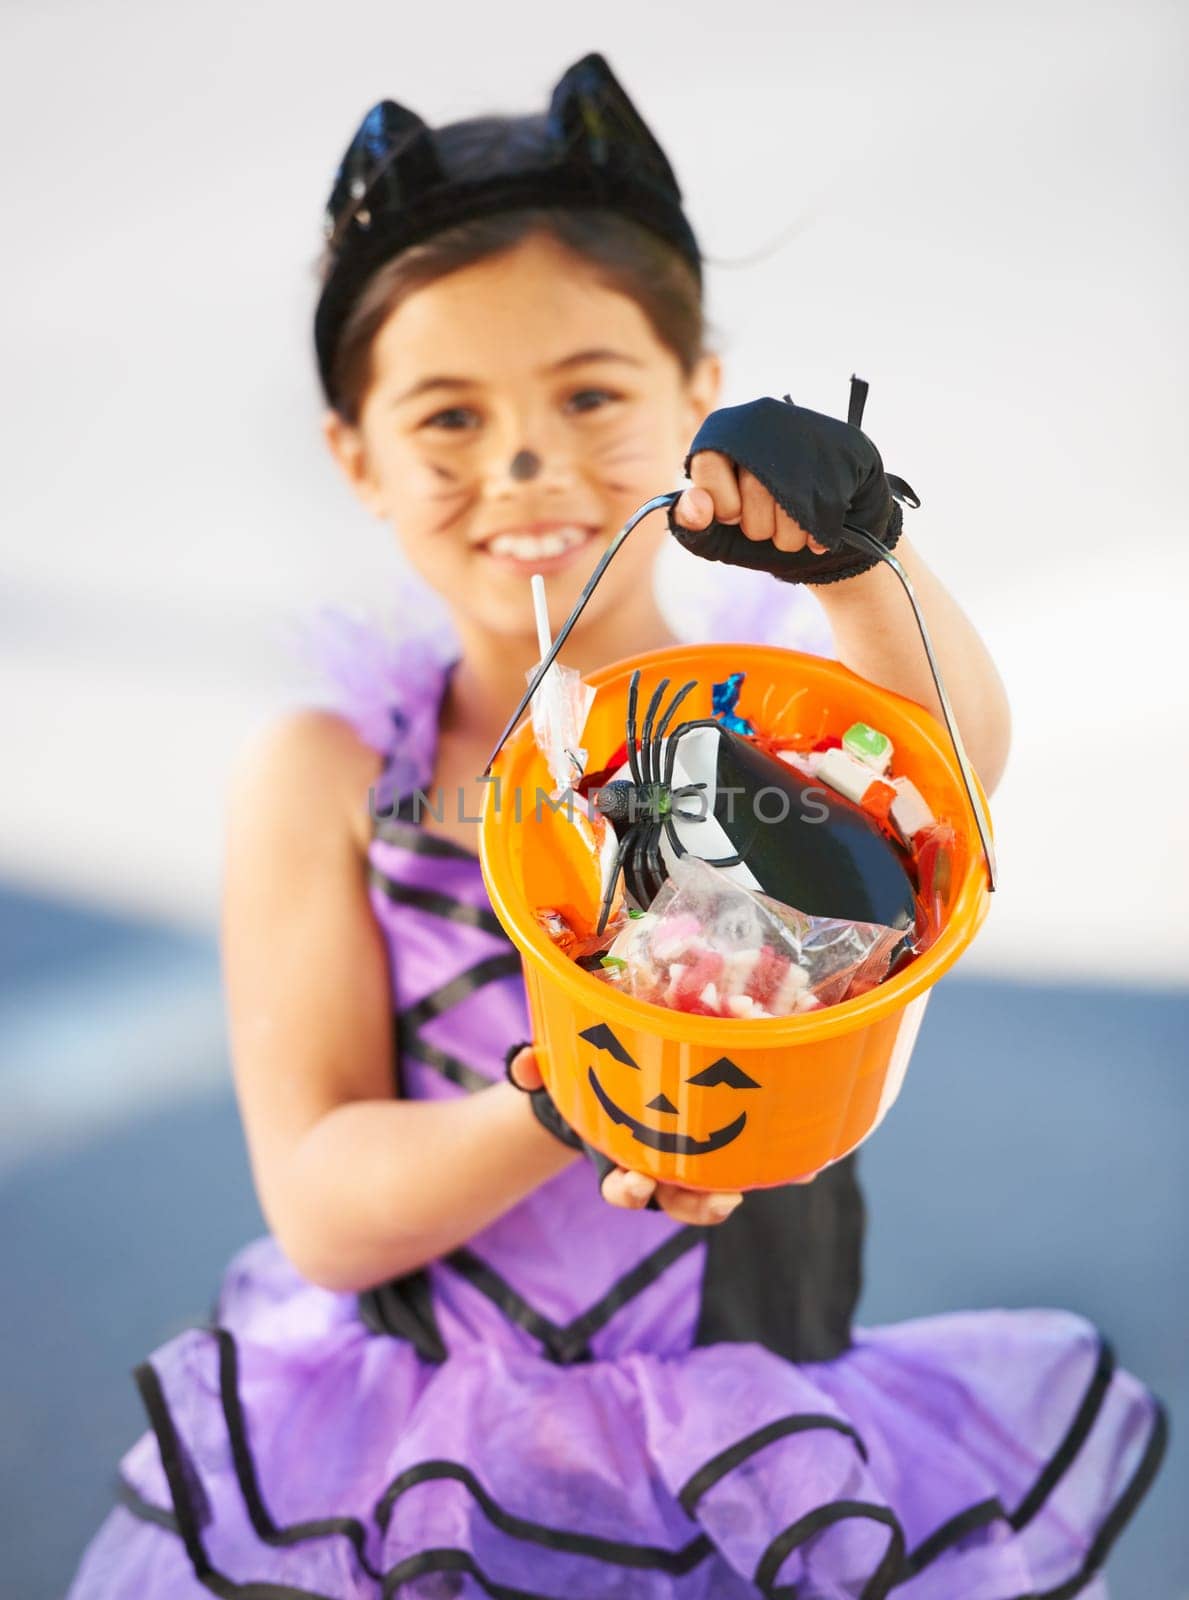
(294, 1454)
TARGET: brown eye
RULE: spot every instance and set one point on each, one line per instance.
(454, 419)
(723, 1071)
(591, 399)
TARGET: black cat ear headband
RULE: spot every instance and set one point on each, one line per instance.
(391, 191)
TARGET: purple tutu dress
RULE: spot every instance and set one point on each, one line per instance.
(585, 1402)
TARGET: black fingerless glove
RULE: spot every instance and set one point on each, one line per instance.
(822, 471)
(550, 1117)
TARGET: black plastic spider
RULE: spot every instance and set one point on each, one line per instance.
(640, 810)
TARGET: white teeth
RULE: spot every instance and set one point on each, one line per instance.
(536, 546)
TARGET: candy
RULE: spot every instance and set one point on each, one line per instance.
(709, 946)
(790, 992)
(738, 967)
(687, 983)
(771, 975)
(558, 927)
(854, 779)
(910, 810)
(879, 798)
(842, 772)
(724, 699)
(799, 761)
(742, 1005)
(868, 745)
(631, 942)
(674, 936)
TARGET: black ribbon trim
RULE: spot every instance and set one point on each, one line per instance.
(1075, 1437)
(727, 1460)
(513, 1306)
(132, 1500)
(640, 1277)
(983, 1513)
(444, 1560)
(410, 1021)
(349, 1528)
(620, 1552)
(409, 835)
(980, 1515)
(1119, 1515)
(452, 993)
(881, 1580)
(431, 1055)
(894, 1569)
(436, 903)
(174, 1463)
(567, 1343)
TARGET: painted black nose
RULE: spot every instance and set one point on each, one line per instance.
(524, 465)
(661, 1103)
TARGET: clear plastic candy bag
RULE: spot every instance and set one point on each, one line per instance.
(559, 711)
(714, 948)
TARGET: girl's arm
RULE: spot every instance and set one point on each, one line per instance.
(357, 1186)
(877, 637)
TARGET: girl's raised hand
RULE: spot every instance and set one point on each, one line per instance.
(633, 1190)
(722, 492)
(775, 487)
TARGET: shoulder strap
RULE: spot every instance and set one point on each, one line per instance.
(410, 746)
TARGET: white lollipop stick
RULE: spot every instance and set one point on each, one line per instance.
(541, 612)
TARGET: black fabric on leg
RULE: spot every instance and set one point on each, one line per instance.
(785, 1268)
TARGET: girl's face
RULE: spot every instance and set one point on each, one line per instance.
(522, 358)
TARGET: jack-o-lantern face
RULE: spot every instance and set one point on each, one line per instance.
(722, 1071)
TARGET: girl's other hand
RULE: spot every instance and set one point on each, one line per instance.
(633, 1190)
(722, 492)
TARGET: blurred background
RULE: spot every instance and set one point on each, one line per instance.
(979, 209)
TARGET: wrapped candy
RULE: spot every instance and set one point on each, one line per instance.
(868, 745)
(724, 701)
(557, 925)
(585, 948)
(910, 810)
(935, 846)
(559, 711)
(710, 946)
(560, 706)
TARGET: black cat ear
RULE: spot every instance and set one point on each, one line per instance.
(590, 114)
(390, 159)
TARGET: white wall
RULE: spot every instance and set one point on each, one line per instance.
(982, 211)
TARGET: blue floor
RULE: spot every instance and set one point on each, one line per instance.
(1033, 1158)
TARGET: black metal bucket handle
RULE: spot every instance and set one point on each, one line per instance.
(860, 540)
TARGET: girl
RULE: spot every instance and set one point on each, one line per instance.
(459, 1367)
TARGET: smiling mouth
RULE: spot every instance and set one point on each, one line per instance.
(672, 1144)
(543, 546)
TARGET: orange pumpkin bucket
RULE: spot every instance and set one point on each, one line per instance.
(758, 1102)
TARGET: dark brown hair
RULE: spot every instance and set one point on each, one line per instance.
(628, 257)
